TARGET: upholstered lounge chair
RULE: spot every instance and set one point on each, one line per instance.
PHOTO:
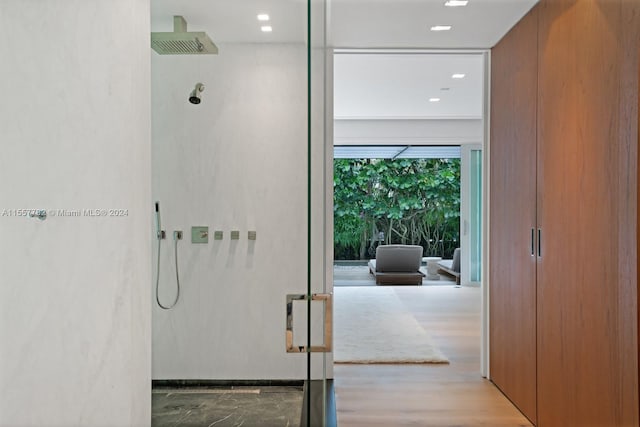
(397, 265)
(452, 266)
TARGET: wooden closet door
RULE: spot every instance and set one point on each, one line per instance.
(513, 207)
(581, 353)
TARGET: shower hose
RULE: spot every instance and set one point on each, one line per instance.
(175, 244)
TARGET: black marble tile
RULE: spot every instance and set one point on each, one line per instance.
(277, 406)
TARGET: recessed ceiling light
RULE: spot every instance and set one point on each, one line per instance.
(434, 99)
(266, 28)
(441, 28)
(456, 3)
(458, 76)
(445, 88)
(263, 17)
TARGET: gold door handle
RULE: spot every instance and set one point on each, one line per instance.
(327, 346)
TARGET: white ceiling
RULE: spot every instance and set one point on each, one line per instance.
(234, 21)
(398, 86)
(367, 85)
(352, 23)
(407, 23)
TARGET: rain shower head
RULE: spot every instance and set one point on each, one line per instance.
(181, 42)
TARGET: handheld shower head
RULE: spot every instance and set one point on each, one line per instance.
(159, 232)
(194, 97)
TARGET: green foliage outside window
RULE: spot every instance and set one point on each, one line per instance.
(407, 201)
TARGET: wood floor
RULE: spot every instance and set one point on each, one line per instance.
(451, 395)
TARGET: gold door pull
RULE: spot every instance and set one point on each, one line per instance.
(327, 346)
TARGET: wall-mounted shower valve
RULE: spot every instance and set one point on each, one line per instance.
(235, 235)
(161, 235)
(251, 235)
(199, 234)
(218, 235)
(177, 235)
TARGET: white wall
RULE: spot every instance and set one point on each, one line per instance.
(237, 161)
(408, 132)
(74, 291)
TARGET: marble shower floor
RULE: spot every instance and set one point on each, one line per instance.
(270, 406)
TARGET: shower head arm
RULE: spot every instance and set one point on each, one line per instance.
(179, 24)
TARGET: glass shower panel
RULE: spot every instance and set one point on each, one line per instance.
(320, 262)
(476, 216)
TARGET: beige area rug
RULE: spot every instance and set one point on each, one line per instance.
(372, 325)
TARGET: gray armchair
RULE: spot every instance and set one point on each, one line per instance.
(452, 266)
(397, 265)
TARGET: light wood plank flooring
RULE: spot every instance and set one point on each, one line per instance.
(451, 395)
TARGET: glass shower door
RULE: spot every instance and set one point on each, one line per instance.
(239, 173)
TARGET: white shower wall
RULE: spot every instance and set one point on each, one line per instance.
(237, 161)
(75, 330)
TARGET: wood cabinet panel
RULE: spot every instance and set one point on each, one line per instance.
(513, 209)
(628, 195)
(628, 185)
(579, 211)
(585, 282)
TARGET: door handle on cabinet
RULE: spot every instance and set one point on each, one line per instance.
(539, 243)
(533, 240)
